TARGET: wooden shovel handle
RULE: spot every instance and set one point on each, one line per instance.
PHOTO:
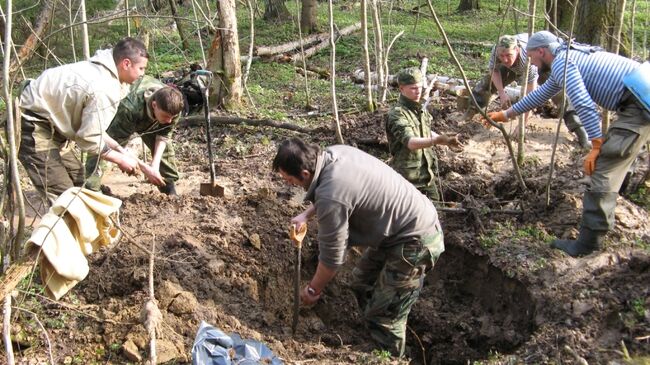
(297, 236)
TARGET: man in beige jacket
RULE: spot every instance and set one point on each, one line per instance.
(76, 103)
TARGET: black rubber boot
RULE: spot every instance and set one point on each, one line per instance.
(588, 241)
(169, 189)
(583, 138)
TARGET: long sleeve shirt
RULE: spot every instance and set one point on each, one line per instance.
(593, 78)
(361, 201)
(78, 99)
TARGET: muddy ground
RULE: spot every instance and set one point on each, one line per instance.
(498, 293)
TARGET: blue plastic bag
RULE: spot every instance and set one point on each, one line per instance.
(213, 347)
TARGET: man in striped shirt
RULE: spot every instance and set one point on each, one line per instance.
(593, 78)
(508, 62)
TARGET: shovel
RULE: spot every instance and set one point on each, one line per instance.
(211, 188)
(296, 237)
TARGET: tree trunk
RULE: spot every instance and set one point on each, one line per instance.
(468, 5)
(29, 46)
(379, 46)
(224, 60)
(550, 8)
(179, 26)
(276, 10)
(308, 16)
(366, 56)
(335, 109)
(595, 21)
(84, 30)
(618, 26)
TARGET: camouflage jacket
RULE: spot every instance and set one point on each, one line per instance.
(135, 113)
(407, 120)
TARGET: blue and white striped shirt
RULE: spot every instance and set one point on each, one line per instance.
(592, 79)
(519, 67)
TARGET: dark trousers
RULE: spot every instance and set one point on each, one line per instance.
(52, 162)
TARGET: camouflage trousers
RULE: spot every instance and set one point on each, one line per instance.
(387, 282)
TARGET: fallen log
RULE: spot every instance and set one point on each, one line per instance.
(197, 120)
(16, 272)
(288, 47)
(281, 52)
(318, 71)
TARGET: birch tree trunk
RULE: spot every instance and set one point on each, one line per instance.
(72, 47)
(84, 29)
(224, 60)
(366, 56)
(379, 47)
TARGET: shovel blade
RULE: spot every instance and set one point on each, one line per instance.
(212, 189)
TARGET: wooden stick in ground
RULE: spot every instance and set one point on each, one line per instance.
(335, 109)
(551, 168)
(471, 95)
(150, 314)
(6, 330)
(370, 105)
(304, 65)
(14, 245)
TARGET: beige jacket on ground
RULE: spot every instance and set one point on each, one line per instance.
(86, 226)
(78, 99)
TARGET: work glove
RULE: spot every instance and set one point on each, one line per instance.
(499, 117)
(590, 159)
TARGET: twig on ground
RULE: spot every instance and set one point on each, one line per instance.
(47, 338)
(424, 356)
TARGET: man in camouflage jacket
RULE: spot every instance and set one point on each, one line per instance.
(410, 137)
(151, 110)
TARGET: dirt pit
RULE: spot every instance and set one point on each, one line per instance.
(470, 309)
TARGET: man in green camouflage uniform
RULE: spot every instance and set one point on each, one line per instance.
(151, 110)
(360, 201)
(410, 137)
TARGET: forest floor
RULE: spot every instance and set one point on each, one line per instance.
(498, 294)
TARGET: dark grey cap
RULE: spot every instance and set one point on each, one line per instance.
(544, 38)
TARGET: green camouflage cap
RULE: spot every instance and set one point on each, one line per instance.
(507, 42)
(409, 76)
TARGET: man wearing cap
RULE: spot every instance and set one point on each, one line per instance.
(360, 201)
(593, 78)
(410, 137)
(507, 64)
